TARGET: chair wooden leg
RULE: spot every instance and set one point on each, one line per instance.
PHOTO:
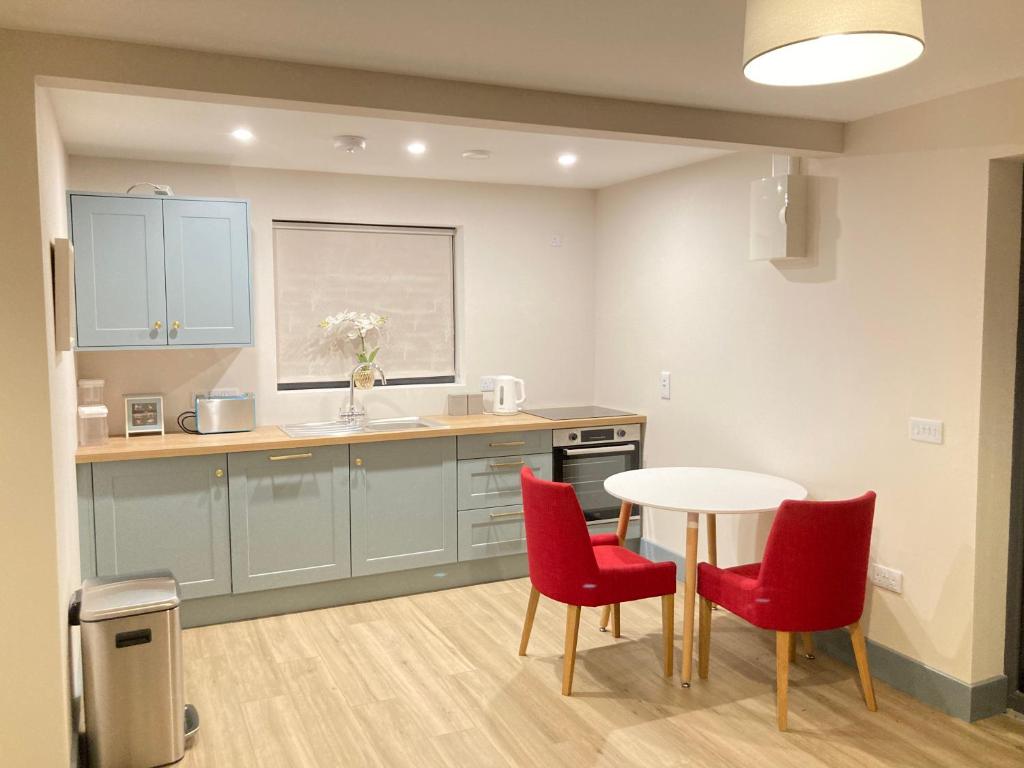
(616, 620)
(606, 614)
(782, 678)
(860, 652)
(704, 639)
(792, 647)
(572, 631)
(668, 620)
(807, 640)
(531, 611)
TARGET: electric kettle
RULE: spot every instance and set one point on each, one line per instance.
(505, 400)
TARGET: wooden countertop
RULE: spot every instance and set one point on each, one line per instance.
(272, 438)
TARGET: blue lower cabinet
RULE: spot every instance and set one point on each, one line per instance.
(86, 522)
(289, 517)
(403, 505)
(165, 513)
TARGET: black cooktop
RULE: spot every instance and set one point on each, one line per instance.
(577, 412)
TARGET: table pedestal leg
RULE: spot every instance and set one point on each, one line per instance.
(689, 596)
(625, 510)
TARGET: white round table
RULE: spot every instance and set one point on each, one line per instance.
(697, 491)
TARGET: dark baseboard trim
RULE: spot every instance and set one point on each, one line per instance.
(927, 685)
(930, 686)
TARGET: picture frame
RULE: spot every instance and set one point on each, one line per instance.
(143, 415)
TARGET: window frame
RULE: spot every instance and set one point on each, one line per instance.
(413, 229)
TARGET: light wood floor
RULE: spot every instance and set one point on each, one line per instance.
(434, 680)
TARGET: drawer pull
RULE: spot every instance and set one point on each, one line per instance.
(508, 444)
(290, 457)
(500, 515)
(507, 464)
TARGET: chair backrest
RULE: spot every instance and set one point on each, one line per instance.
(814, 572)
(557, 540)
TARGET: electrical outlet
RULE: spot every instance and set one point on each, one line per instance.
(887, 578)
(665, 385)
(926, 430)
(486, 383)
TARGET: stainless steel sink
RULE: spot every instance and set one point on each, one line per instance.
(402, 423)
(342, 427)
(321, 429)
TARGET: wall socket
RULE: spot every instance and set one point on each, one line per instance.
(486, 383)
(665, 385)
(887, 578)
(926, 430)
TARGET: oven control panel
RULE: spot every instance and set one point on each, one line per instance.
(622, 433)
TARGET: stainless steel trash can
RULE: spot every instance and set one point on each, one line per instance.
(131, 662)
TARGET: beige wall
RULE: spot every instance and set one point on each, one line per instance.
(63, 393)
(812, 370)
(523, 307)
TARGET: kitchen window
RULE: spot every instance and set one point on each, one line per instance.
(405, 273)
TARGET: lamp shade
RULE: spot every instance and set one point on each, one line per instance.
(811, 42)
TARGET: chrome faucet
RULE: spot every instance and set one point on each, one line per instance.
(357, 412)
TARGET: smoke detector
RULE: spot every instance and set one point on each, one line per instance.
(350, 144)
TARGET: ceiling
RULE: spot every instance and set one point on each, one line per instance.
(672, 51)
(199, 132)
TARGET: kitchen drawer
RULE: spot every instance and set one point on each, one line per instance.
(494, 482)
(610, 526)
(491, 532)
(504, 444)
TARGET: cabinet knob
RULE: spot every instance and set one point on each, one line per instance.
(158, 325)
(359, 462)
(175, 325)
(219, 473)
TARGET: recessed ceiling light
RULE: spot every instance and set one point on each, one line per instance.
(567, 159)
(807, 42)
(243, 134)
(416, 148)
(476, 154)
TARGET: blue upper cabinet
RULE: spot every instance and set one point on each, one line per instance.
(119, 271)
(206, 249)
(155, 272)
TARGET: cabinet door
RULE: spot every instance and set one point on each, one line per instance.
(119, 271)
(403, 505)
(165, 513)
(207, 256)
(289, 517)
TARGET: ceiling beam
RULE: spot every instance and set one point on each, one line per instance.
(68, 60)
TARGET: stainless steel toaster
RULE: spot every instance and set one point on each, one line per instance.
(225, 413)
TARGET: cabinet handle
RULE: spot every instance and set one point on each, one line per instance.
(219, 473)
(157, 325)
(499, 515)
(359, 462)
(175, 325)
(290, 457)
(509, 444)
(506, 464)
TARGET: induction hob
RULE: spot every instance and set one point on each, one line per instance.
(577, 412)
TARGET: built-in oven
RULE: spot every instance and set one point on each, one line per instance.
(585, 457)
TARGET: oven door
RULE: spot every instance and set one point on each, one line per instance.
(587, 467)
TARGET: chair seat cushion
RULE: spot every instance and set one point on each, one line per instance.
(624, 575)
(735, 589)
(604, 540)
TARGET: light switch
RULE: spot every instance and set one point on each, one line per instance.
(665, 385)
(926, 430)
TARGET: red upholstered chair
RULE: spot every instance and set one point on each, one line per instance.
(812, 578)
(566, 566)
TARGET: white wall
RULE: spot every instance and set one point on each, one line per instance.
(811, 371)
(523, 307)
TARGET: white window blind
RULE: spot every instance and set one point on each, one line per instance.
(405, 273)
